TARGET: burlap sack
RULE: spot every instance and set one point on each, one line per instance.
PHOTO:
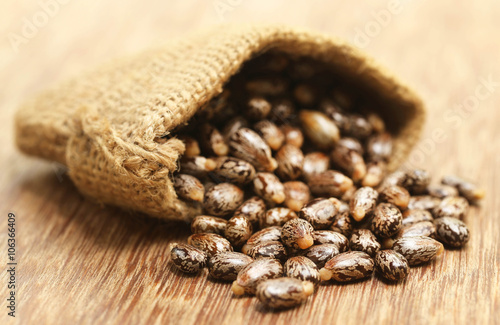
(102, 124)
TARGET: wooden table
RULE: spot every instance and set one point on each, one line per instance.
(80, 263)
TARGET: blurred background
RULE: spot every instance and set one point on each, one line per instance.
(440, 49)
(447, 51)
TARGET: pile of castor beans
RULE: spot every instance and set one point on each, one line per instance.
(290, 170)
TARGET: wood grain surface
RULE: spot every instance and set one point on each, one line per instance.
(79, 263)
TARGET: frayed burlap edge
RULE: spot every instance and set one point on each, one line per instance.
(102, 124)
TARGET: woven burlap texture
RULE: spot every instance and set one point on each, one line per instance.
(102, 124)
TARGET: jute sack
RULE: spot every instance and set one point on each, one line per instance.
(102, 124)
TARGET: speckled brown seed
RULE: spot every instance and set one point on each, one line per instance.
(267, 86)
(297, 234)
(262, 236)
(423, 202)
(284, 292)
(453, 206)
(234, 125)
(319, 213)
(333, 110)
(238, 230)
(365, 241)
(293, 135)
(248, 145)
(233, 170)
(341, 118)
(192, 146)
(363, 202)
(416, 181)
(451, 231)
(387, 220)
(188, 258)
(331, 237)
(379, 147)
(208, 184)
(302, 268)
(418, 250)
(392, 265)
(303, 69)
(210, 243)
(305, 94)
(349, 159)
(277, 217)
(274, 249)
(320, 129)
(223, 199)
(271, 134)
(329, 183)
(395, 178)
(282, 111)
(320, 254)
(441, 191)
(226, 265)
(340, 205)
(423, 228)
(189, 187)
(349, 194)
(376, 122)
(275, 62)
(351, 144)
(290, 162)
(296, 195)
(257, 108)
(208, 224)
(269, 187)
(212, 141)
(375, 173)
(416, 215)
(357, 126)
(254, 209)
(197, 166)
(348, 266)
(315, 163)
(466, 189)
(397, 195)
(251, 275)
(343, 223)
